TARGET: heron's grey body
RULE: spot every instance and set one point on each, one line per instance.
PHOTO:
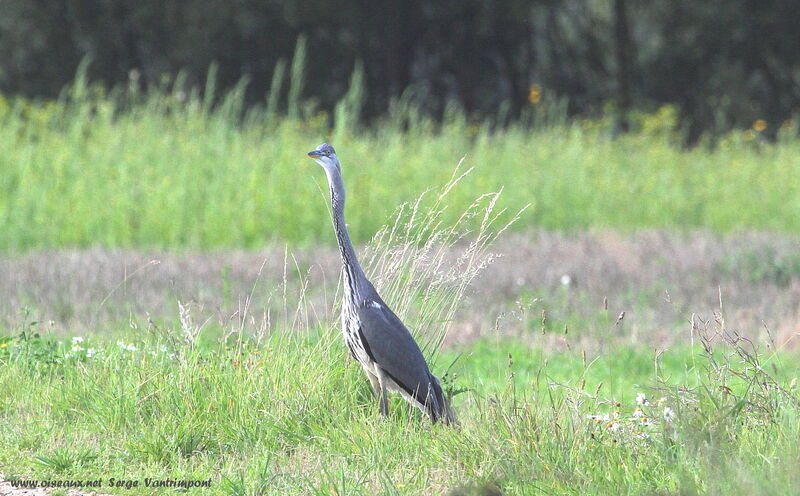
(376, 337)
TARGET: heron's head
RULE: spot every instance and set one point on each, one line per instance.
(325, 156)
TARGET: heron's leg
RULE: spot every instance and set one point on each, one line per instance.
(384, 400)
(373, 381)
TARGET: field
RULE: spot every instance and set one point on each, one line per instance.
(621, 318)
(89, 171)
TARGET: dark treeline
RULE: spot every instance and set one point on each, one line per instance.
(722, 63)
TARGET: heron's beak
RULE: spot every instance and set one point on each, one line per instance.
(314, 153)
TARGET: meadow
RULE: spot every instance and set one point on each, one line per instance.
(294, 416)
(171, 170)
(608, 314)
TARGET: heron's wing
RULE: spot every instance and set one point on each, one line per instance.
(390, 344)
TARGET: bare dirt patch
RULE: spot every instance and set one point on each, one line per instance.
(658, 279)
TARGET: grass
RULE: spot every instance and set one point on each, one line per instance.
(295, 416)
(275, 406)
(172, 170)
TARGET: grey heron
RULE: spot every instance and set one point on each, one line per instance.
(376, 337)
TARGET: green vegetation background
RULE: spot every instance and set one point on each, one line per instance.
(169, 169)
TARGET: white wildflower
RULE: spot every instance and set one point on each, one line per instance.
(637, 414)
(77, 339)
(566, 280)
(124, 346)
(669, 414)
(90, 352)
(642, 435)
(641, 399)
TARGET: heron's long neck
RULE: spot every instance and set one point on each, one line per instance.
(354, 275)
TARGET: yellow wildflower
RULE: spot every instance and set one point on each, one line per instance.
(535, 94)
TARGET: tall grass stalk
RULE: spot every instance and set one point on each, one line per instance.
(348, 110)
(424, 265)
(275, 87)
(297, 81)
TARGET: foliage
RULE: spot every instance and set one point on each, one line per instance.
(759, 266)
(173, 169)
(293, 415)
(723, 63)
